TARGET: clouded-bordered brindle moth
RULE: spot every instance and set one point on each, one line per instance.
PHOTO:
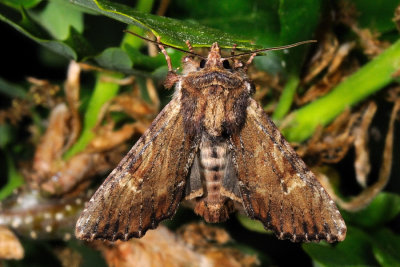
(215, 145)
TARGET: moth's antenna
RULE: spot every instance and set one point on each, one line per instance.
(272, 48)
(158, 43)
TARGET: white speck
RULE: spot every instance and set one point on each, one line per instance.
(16, 222)
(67, 236)
(68, 207)
(20, 200)
(28, 220)
(286, 51)
(47, 215)
(3, 221)
(322, 189)
(78, 201)
(331, 202)
(133, 189)
(283, 63)
(48, 228)
(87, 220)
(33, 234)
(59, 216)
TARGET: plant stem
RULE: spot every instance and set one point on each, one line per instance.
(369, 79)
(286, 99)
(103, 92)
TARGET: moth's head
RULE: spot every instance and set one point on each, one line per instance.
(214, 60)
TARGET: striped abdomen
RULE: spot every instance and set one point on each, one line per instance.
(213, 159)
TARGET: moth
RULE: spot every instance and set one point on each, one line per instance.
(212, 144)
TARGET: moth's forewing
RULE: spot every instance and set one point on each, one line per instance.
(276, 186)
(147, 185)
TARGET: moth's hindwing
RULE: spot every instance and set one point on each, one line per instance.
(147, 185)
(276, 186)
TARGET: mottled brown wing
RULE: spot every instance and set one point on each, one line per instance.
(146, 187)
(276, 186)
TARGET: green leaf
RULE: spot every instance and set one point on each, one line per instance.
(6, 134)
(171, 31)
(369, 79)
(355, 250)
(114, 58)
(253, 19)
(57, 18)
(376, 14)
(11, 89)
(75, 47)
(252, 225)
(382, 209)
(144, 62)
(21, 3)
(14, 181)
(298, 19)
(386, 247)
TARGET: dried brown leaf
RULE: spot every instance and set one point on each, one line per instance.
(72, 90)
(68, 257)
(194, 245)
(368, 194)
(362, 163)
(10, 247)
(396, 18)
(335, 71)
(325, 53)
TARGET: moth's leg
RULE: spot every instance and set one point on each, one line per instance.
(236, 61)
(233, 49)
(167, 58)
(172, 77)
(249, 61)
(189, 46)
